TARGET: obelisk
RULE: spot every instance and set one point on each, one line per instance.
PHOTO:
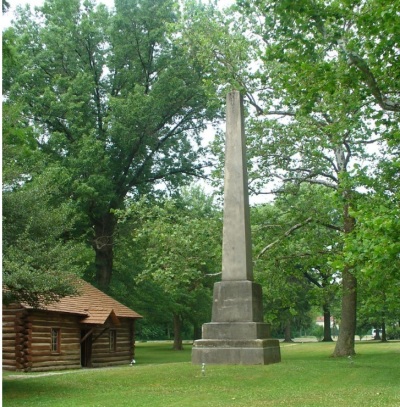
(236, 333)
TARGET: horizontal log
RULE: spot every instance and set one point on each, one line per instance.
(9, 367)
(8, 319)
(97, 359)
(47, 368)
(44, 357)
(9, 335)
(111, 363)
(106, 346)
(47, 338)
(47, 345)
(64, 348)
(17, 311)
(8, 325)
(43, 329)
(8, 349)
(48, 353)
(8, 359)
(55, 363)
(48, 321)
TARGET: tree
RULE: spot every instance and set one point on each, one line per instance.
(113, 101)
(374, 248)
(181, 243)
(295, 262)
(321, 81)
(301, 72)
(40, 263)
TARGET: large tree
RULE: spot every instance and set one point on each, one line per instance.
(326, 63)
(180, 244)
(112, 100)
(314, 67)
(294, 244)
(40, 264)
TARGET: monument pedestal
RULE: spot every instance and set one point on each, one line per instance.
(236, 352)
(237, 333)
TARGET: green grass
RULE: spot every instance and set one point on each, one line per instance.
(307, 376)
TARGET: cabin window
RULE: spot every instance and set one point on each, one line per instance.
(55, 339)
(113, 340)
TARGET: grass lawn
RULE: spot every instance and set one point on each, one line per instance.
(307, 376)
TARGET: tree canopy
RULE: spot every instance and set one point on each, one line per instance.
(114, 103)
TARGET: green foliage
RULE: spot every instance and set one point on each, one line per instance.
(40, 258)
(318, 332)
(178, 242)
(322, 91)
(393, 332)
(373, 249)
(292, 248)
(113, 100)
(40, 261)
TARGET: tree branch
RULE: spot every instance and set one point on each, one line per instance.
(370, 80)
(286, 234)
(312, 279)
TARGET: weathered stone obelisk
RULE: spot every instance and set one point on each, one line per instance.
(237, 333)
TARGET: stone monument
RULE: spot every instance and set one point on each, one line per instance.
(236, 333)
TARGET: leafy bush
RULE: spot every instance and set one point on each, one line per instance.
(318, 332)
(393, 332)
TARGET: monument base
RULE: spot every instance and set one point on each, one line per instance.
(236, 352)
(237, 333)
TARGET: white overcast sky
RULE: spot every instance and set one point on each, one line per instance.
(6, 19)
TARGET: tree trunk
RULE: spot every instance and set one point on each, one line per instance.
(377, 335)
(177, 333)
(327, 324)
(347, 330)
(288, 332)
(384, 338)
(103, 245)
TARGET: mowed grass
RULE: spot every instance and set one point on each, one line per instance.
(307, 376)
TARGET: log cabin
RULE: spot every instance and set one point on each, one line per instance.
(90, 329)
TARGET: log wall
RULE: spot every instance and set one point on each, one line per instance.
(39, 355)
(27, 341)
(14, 337)
(123, 354)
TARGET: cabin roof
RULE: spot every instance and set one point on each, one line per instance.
(94, 305)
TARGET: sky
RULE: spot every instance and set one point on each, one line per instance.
(6, 19)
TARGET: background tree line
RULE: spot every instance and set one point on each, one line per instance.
(104, 111)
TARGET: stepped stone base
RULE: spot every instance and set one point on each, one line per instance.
(236, 352)
(237, 333)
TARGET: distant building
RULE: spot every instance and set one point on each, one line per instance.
(87, 330)
(320, 321)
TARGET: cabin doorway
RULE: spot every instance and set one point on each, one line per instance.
(86, 347)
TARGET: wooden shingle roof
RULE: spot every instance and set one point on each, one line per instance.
(94, 305)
